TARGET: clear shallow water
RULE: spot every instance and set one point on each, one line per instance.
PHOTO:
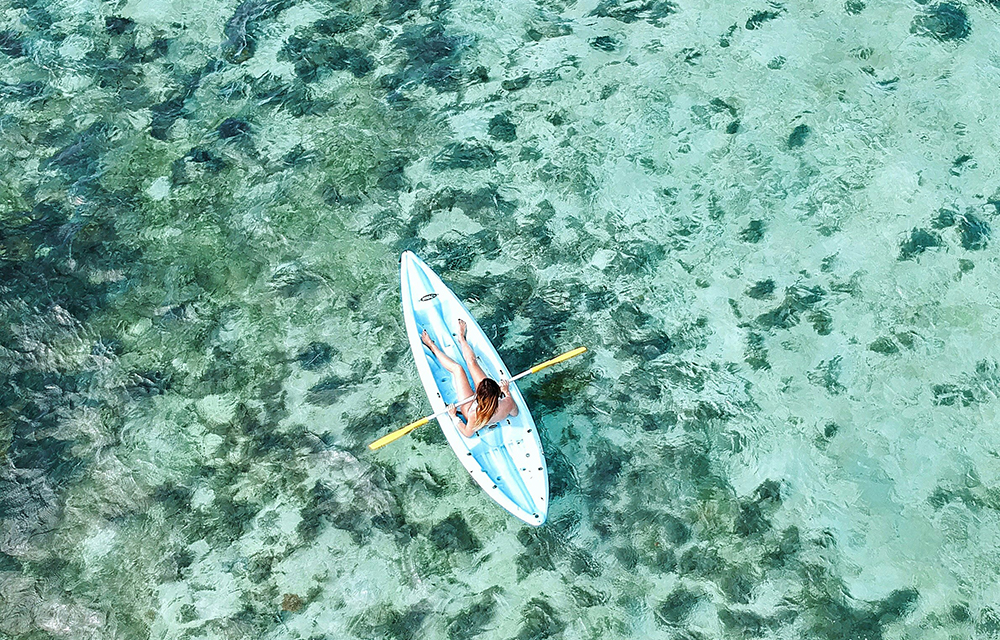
(772, 227)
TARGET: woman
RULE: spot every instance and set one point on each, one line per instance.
(488, 406)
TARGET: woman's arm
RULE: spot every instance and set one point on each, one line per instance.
(467, 430)
(464, 428)
(507, 404)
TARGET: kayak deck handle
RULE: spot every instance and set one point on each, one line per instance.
(428, 296)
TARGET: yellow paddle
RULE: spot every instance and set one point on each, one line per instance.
(395, 435)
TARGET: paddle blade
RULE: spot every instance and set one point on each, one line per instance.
(566, 356)
(396, 435)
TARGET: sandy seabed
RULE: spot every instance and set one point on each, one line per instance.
(772, 226)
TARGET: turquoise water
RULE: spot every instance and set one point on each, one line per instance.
(772, 225)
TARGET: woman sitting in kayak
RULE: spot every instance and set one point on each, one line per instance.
(488, 406)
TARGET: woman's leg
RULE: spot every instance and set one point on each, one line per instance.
(470, 356)
(458, 375)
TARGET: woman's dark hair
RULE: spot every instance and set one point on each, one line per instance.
(487, 400)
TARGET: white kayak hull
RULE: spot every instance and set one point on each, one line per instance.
(504, 459)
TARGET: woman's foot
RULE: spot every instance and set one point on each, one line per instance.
(461, 329)
(426, 339)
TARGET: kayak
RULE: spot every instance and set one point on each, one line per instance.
(505, 458)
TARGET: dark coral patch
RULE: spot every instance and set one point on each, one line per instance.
(21, 90)
(768, 491)
(884, 345)
(484, 205)
(975, 231)
(9, 563)
(231, 518)
(744, 623)
(950, 395)
(827, 375)
(328, 390)
(34, 445)
(164, 114)
(653, 11)
(117, 25)
(676, 530)
(396, 9)
(677, 606)
(392, 172)
(516, 84)
(789, 545)
(429, 44)
(465, 155)
(315, 356)
(385, 623)
(703, 561)
(539, 546)
(12, 44)
(961, 162)
(945, 218)
(797, 138)
(920, 240)
(314, 55)
(540, 621)
(751, 520)
(821, 321)
(609, 460)
(502, 129)
(81, 158)
(174, 499)
(562, 474)
(737, 583)
(433, 56)
(479, 75)
(754, 232)
(337, 24)
(648, 348)
(453, 534)
(759, 18)
(838, 620)
(324, 509)
(761, 289)
(960, 613)
(945, 22)
(295, 97)
(798, 299)
(234, 128)
(605, 43)
(474, 619)
(90, 241)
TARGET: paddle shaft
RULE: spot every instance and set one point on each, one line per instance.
(395, 435)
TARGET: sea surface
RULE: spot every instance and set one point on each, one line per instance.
(772, 224)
